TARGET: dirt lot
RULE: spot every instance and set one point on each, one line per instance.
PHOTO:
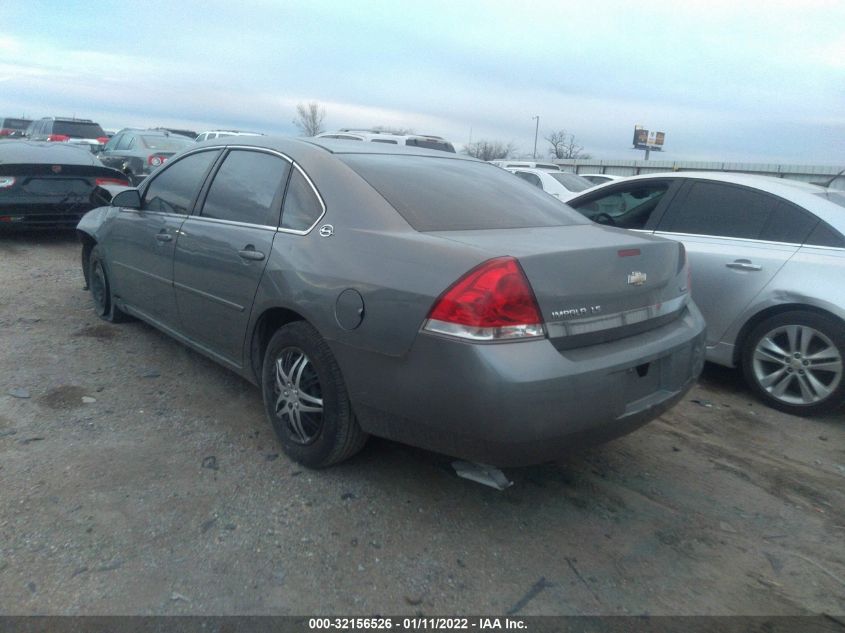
(137, 477)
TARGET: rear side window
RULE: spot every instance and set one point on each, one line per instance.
(825, 235)
(174, 189)
(443, 146)
(78, 129)
(302, 208)
(789, 224)
(719, 210)
(125, 141)
(528, 177)
(246, 188)
(445, 194)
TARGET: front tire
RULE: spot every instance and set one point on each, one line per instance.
(98, 282)
(305, 398)
(794, 362)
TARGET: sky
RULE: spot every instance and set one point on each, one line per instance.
(747, 80)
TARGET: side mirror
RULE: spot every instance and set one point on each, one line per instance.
(129, 199)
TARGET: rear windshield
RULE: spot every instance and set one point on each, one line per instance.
(14, 124)
(443, 146)
(166, 143)
(78, 129)
(443, 194)
(572, 182)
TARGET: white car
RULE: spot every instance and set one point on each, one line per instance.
(210, 134)
(530, 164)
(600, 179)
(563, 185)
(426, 141)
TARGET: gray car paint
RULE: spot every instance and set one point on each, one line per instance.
(508, 403)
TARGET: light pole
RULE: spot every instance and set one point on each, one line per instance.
(536, 129)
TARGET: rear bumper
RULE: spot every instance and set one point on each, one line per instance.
(512, 404)
(42, 216)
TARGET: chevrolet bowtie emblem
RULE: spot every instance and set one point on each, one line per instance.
(637, 278)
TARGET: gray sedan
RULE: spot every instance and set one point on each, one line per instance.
(405, 293)
(768, 263)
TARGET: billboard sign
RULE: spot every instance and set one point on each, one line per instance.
(644, 139)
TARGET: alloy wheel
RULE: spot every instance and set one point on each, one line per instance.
(797, 364)
(298, 395)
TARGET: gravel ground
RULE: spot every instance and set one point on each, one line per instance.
(137, 477)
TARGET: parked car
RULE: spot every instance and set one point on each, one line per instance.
(600, 179)
(75, 131)
(768, 262)
(426, 141)
(397, 292)
(49, 185)
(213, 134)
(560, 184)
(13, 128)
(528, 164)
(136, 153)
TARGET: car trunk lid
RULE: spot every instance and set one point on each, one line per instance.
(592, 283)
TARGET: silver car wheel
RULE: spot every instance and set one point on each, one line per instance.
(299, 401)
(797, 364)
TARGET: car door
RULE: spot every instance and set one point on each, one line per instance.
(723, 227)
(223, 249)
(142, 241)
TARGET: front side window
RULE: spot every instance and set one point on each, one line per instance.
(246, 187)
(302, 208)
(721, 210)
(173, 190)
(628, 207)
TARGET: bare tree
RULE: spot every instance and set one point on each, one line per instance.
(309, 118)
(489, 150)
(564, 145)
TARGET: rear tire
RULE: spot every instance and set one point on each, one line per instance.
(794, 362)
(305, 398)
(98, 282)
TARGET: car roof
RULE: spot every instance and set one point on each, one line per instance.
(301, 148)
(803, 194)
(42, 152)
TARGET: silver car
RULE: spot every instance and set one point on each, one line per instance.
(406, 293)
(768, 262)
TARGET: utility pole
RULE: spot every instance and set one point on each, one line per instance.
(536, 129)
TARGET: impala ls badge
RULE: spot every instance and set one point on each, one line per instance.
(637, 278)
(327, 230)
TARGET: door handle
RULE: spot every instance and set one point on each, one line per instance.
(744, 264)
(164, 237)
(250, 253)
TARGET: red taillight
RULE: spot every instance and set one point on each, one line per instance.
(102, 140)
(493, 301)
(111, 181)
(59, 138)
(6, 132)
(155, 161)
